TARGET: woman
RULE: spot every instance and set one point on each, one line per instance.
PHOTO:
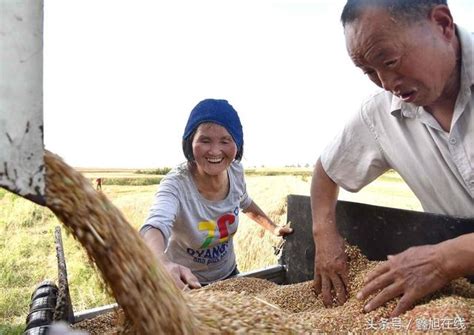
(196, 210)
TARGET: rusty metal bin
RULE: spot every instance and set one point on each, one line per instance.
(377, 231)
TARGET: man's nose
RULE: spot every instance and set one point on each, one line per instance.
(388, 80)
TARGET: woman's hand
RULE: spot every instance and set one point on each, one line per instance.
(282, 231)
(181, 275)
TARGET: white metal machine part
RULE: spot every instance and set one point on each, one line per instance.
(21, 98)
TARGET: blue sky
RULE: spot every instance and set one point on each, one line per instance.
(121, 77)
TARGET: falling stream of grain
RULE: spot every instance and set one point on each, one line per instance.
(141, 287)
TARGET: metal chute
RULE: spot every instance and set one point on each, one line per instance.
(21, 98)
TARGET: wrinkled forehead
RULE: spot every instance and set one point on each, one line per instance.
(373, 26)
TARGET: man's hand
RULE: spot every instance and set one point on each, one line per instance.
(181, 275)
(411, 274)
(330, 268)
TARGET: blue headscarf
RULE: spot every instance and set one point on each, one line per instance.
(219, 112)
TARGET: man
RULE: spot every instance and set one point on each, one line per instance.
(98, 182)
(421, 125)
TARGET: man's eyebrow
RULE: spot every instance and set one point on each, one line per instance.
(381, 54)
(376, 50)
(358, 63)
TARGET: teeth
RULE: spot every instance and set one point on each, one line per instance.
(214, 160)
(406, 95)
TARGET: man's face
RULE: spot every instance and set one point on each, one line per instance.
(415, 62)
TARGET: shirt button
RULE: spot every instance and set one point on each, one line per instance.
(452, 141)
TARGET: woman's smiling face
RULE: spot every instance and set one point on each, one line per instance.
(213, 148)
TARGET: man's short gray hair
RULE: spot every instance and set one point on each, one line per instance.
(405, 10)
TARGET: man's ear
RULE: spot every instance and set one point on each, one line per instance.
(440, 15)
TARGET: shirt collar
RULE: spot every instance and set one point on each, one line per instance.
(466, 40)
(400, 109)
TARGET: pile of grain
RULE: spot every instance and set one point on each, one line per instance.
(251, 305)
(247, 285)
(105, 324)
(299, 305)
(150, 303)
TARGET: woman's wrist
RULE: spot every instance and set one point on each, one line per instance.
(162, 257)
(275, 230)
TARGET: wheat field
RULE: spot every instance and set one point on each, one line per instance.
(27, 253)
